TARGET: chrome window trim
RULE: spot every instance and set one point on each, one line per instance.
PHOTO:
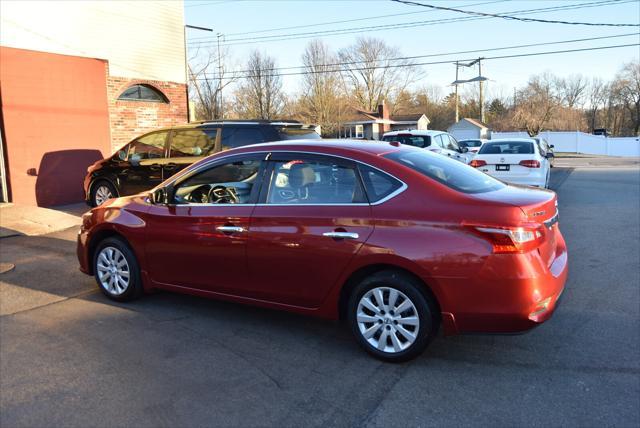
(390, 196)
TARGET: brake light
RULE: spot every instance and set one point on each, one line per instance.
(530, 163)
(477, 163)
(512, 240)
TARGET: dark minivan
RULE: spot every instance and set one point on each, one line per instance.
(153, 157)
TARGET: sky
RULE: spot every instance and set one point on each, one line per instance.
(240, 19)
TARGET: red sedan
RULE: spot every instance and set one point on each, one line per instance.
(396, 240)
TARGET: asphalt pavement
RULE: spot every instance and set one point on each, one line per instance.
(70, 357)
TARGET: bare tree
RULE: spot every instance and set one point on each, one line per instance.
(572, 89)
(536, 103)
(627, 88)
(260, 95)
(320, 101)
(597, 97)
(372, 74)
(209, 75)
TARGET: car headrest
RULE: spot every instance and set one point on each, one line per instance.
(301, 175)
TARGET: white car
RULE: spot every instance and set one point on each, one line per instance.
(473, 145)
(435, 141)
(514, 160)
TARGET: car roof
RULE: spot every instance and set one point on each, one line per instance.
(419, 132)
(512, 140)
(330, 146)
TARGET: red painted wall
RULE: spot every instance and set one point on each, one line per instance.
(56, 121)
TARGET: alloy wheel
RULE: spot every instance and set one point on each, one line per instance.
(387, 319)
(103, 194)
(113, 271)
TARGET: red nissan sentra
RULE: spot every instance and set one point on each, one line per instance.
(396, 240)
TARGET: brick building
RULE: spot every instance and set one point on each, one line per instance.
(78, 80)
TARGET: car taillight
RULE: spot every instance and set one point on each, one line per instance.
(512, 239)
(477, 163)
(530, 163)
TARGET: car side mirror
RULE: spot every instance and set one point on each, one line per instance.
(551, 146)
(463, 150)
(549, 155)
(122, 155)
(159, 196)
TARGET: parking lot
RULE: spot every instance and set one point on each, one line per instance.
(70, 357)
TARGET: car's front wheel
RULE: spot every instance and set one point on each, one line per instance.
(391, 317)
(116, 270)
(101, 192)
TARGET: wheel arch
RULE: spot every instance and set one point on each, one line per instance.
(365, 271)
(97, 238)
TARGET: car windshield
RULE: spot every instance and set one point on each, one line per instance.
(449, 172)
(506, 148)
(297, 133)
(470, 143)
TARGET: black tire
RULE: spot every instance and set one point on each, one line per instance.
(134, 288)
(94, 191)
(424, 305)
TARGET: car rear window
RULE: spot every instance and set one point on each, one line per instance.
(410, 140)
(449, 172)
(470, 143)
(296, 133)
(506, 148)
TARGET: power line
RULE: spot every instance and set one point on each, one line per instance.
(405, 58)
(319, 24)
(546, 21)
(433, 62)
(293, 36)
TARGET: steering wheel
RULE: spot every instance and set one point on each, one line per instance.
(222, 195)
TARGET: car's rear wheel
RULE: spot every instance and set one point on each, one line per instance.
(116, 270)
(391, 317)
(101, 192)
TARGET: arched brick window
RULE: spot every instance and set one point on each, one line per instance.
(143, 93)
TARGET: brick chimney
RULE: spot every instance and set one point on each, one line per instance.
(383, 113)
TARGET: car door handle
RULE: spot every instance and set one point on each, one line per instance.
(155, 167)
(230, 229)
(341, 235)
(170, 166)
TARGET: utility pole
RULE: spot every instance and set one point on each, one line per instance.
(456, 85)
(481, 82)
(221, 108)
(186, 64)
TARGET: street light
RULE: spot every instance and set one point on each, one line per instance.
(186, 63)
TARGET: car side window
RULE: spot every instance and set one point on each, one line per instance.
(314, 181)
(228, 183)
(452, 143)
(439, 141)
(378, 184)
(150, 146)
(192, 142)
(233, 137)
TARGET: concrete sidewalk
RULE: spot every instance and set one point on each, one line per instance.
(32, 221)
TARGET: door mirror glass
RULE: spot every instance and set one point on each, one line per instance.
(463, 150)
(159, 196)
(122, 154)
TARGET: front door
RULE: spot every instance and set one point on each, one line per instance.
(312, 220)
(142, 169)
(199, 240)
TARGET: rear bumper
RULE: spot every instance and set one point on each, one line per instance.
(537, 180)
(512, 294)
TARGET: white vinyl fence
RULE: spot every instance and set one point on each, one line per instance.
(580, 142)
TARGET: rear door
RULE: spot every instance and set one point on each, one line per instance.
(238, 136)
(312, 219)
(187, 146)
(142, 169)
